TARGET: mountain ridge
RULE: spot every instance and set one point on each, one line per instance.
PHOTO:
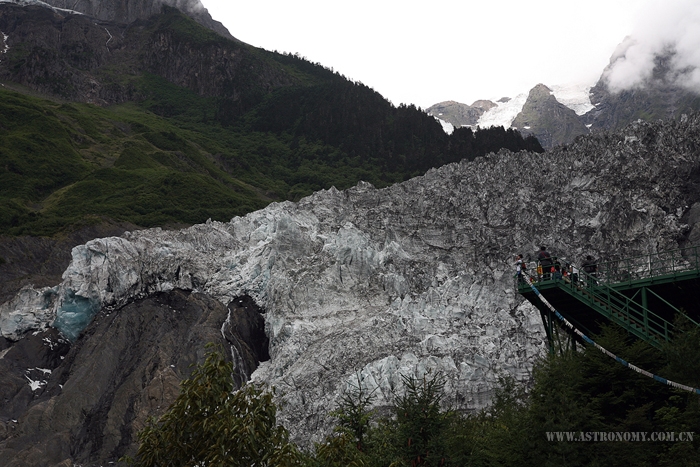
(127, 12)
(552, 122)
(606, 106)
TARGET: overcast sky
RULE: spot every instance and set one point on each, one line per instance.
(427, 52)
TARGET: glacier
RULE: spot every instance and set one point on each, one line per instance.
(504, 113)
(574, 96)
(371, 284)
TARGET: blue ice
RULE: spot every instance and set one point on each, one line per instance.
(75, 313)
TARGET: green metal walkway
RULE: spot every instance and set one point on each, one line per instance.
(643, 295)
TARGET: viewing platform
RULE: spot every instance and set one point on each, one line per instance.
(644, 295)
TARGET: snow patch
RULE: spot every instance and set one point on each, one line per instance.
(5, 47)
(35, 384)
(447, 127)
(110, 38)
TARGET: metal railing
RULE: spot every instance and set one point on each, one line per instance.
(597, 291)
(620, 308)
(610, 303)
(655, 265)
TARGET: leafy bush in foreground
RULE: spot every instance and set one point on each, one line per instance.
(575, 392)
(209, 424)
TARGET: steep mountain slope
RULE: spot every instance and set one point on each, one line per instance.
(190, 126)
(659, 96)
(79, 58)
(87, 401)
(126, 12)
(372, 283)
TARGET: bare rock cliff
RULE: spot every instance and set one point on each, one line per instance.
(79, 58)
(83, 404)
(128, 11)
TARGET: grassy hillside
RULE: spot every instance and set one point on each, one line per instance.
(61, 164)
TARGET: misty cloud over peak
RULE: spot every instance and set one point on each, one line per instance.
(193, 6)
(668, 33)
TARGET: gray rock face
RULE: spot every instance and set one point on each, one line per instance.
(415, 278)
(460, 114)
(85, 405)
(127, 11)
(81, 59)
(660, 95)
(551, 122)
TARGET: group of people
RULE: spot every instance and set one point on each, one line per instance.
(549, 267)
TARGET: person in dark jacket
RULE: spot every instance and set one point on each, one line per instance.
(590, 267)
(545, 260)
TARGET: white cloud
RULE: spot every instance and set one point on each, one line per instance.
(667, 27)
(429, 52)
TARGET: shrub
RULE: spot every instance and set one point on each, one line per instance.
(210, 424)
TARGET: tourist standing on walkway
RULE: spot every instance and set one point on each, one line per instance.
(545, 260)
(590, 267)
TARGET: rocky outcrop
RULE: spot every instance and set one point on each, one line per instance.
(653, 102)
(373, 284)
(78, 58)
(649, 94)
(551, 122)
(126, 12)
(460, 115)
(85, 404)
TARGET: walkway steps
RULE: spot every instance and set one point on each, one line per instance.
(644, 300)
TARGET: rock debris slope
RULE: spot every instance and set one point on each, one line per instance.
(413, 278)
